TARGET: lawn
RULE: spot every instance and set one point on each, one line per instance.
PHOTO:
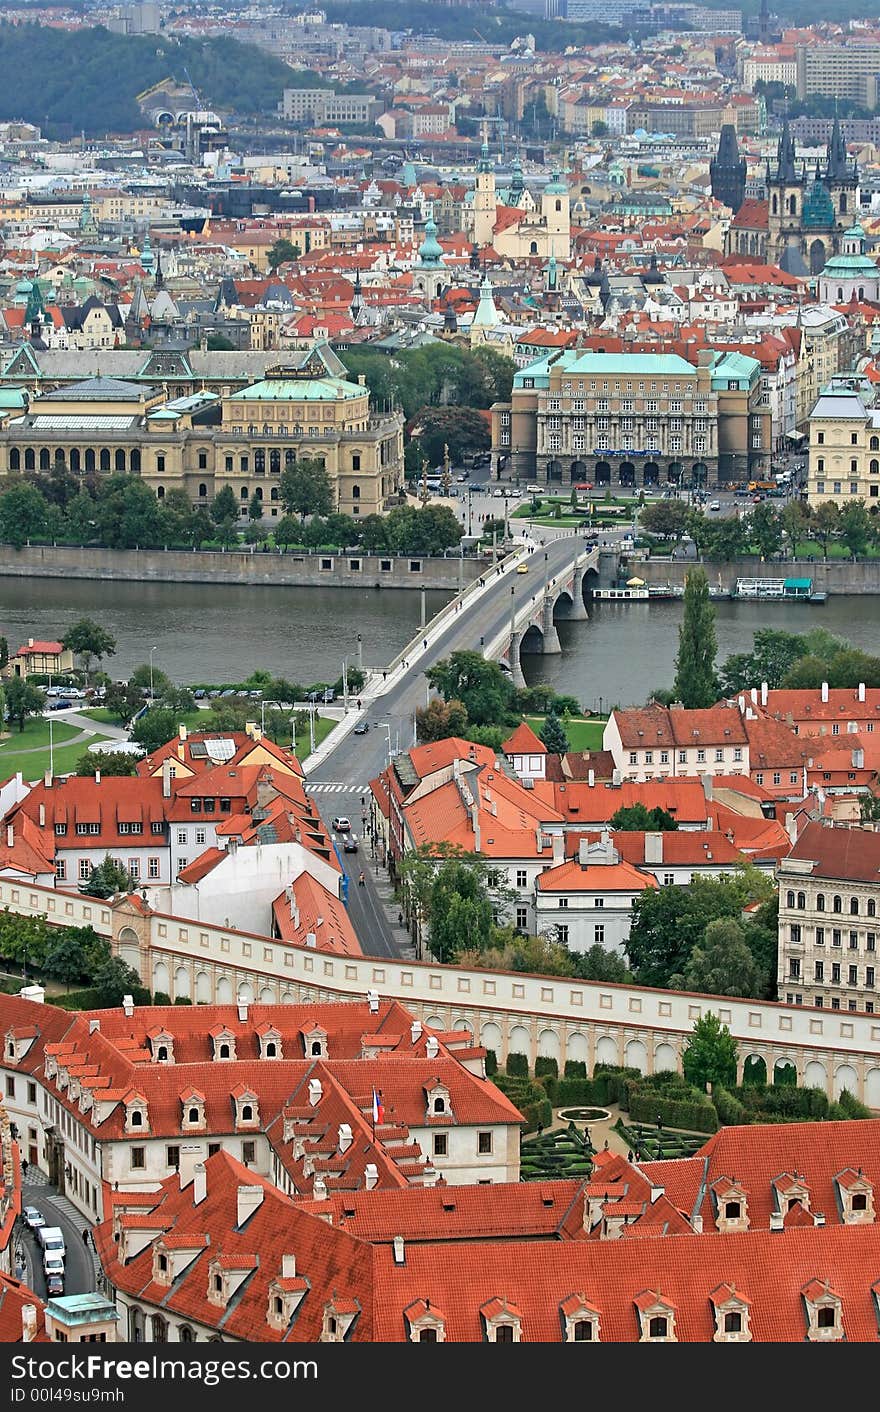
(33, 766)
(323, 727)
(102, 715)
(582, 734)
(35, 734)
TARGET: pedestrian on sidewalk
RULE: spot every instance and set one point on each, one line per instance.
(85, 1236)
(361, 880)
(24, 1166)
(400, 919)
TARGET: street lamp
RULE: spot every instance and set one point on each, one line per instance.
(152, 650)
(383, 725)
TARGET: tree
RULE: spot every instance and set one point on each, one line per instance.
(856, 527)
(600, 128)
(143, 678)
(128, 514)
(795, 519)
(666, 519)
(458, 908)
(669, 922)
(109, 762)
(463, 429)
(4, 653)
(765, 529)
(726, 539)
(23, 514)
(23, 700)
(723, 964)
(826, 524)
(108, 878)
(636, 818)
(113, 981)
(710, 1054)
(224, 507)
(695, 684)
(553, 735)
(178, 699)
(255, 508)
(306, 489)
(597, 964)
(441, 719)
(773, 655)
(66, 959)
(478, 684)
(289, 530)
(90, 642)
(124, 700)
(499, 370)
(282, 253)
(154, 728)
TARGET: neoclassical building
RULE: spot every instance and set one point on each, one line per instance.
(205, 440)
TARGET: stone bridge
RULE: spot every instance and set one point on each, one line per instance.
(532, 626)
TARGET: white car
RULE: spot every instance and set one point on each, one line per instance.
(715, 505)
(32, 1218)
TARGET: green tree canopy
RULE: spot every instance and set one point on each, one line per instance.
(695, 683)
(24, 515)
(114, 980)
(306, 489)
(772, 657)
(90, 642)
(480, 685)
(107, 879)
(283, 252)
(462, 429)
(765, 529)
(441, 719)
(665, 519)
(710, 1054)
(109, 762)
(23, 700)
(669, 922)
(724, 964)
(553, 735)
(154, 728)
(635, 818)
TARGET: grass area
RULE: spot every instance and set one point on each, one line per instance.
(35, 735)
(654, 1146)
(33, 766)
(561, 1153)
(582, 734)
(323, 727)
(102, 715)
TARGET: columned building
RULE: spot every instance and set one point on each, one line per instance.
(631, 419)
(203, 441)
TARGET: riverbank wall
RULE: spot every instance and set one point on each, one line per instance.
(274, 570)
(836, 576)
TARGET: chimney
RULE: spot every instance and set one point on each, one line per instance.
(288, 1267)
(824, 691)
(557, 842)
(697, 1224)
(345, 1137)
(311, 939)
(399, 1250)
(47, 779)
(30, 642)
(97, 777)
(415, 1031)
(373, 1001)
(166, 778)
(763, 693)
(741, 702)
(777, 1221)
(475, 825)
(861, 691)
(10, 836)
(181, 731)
(248, 1199)
(315, 1092)
(818, 1218)
(42, 816)
(584, 852)
(657, 1192)
(319, 1188)
(200, 1183)
(591, 778)
(94, 1025)
(616, 778)
(243, 1010)
(28, 1323)
(432, 1048)
(653, 847)
(128, 1006)
(371, 1176)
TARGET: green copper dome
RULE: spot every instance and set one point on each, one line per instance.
(556, 186)
(430, 250)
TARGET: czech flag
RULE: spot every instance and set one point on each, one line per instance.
(378, 1108)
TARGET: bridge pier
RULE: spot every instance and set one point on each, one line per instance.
(578, 612)
(516, 671)
(548, 628)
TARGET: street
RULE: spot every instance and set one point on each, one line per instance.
(79, 1266)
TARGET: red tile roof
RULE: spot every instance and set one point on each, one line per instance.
(850, 855)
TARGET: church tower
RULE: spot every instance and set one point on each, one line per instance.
(430, 275)
(484, 199)
(727, 171)
(556, 217)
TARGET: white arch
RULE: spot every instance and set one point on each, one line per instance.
(245, 991)
(435, 1022)
(606, 1050)
(665, 1058)
(846, 1078)
(182, 983)
(267, 995)
(872, 1088)
(815, 1075)
(463, 1024)
(287, 998)
(160, 977)
(203, 988)
(636, 1055)
(577, 1048)
(224, 990)
(490, 1037)
(518, 1041)
(548, 1045)
(129, 947)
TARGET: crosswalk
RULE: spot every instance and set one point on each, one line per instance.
(333, 787)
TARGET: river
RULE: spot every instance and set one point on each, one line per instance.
(206, 633)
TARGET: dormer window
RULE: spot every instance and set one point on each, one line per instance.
(338, 1320)
(581, 1320)
(731, 1206)
(193, 1105)
(270, 1043)
(162, 1053)
(502, 1322)
(223, 1051)
(161, 1046)
(856, 1196)
(732, 1312)
(314, 1040)
(224, 1044)
(247, 1112)
(439, 1105)
(271, 1050)
(824, 1309)
(426, 1323)
(136, 1118)
(656, 1318)
(732, 1210)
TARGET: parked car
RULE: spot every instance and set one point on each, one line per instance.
(329, 694)
(54, 1284)
(53, 1264)
(341, 824)
(200, 693)
(32, 1218)
(361, 728)
(350, 844)
(61, 703)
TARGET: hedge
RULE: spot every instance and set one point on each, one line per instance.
(851, 1106)
(545, 1065)
(491, 1063)
(728, 1107)
(578, 1091)
(610, 1080)
(517, 1065)
(575, 1069)
(693, 1117)
(537, 1113)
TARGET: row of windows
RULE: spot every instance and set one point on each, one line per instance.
(682, 756)
(797, 935)
(792, 998)
(798, 900)
(85, 866)
(157, 828)
(794, 973)
(88, 460)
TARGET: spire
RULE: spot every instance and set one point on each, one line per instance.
(430, 250)
(785, 156)
(727, 170)
(35, 310)
(838, 167)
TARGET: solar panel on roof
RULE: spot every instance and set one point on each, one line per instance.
(197, 750)
(220, 748)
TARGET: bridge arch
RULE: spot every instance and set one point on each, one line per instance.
(532, 639)
(563, 604)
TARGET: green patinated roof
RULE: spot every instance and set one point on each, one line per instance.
(12, 397)
(299, 390)
(818, 207)
(850, 265)
(602, 364)
(735, 367)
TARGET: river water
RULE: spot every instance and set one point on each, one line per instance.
(203, 632)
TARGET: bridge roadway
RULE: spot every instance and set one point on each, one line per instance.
(340, 778)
